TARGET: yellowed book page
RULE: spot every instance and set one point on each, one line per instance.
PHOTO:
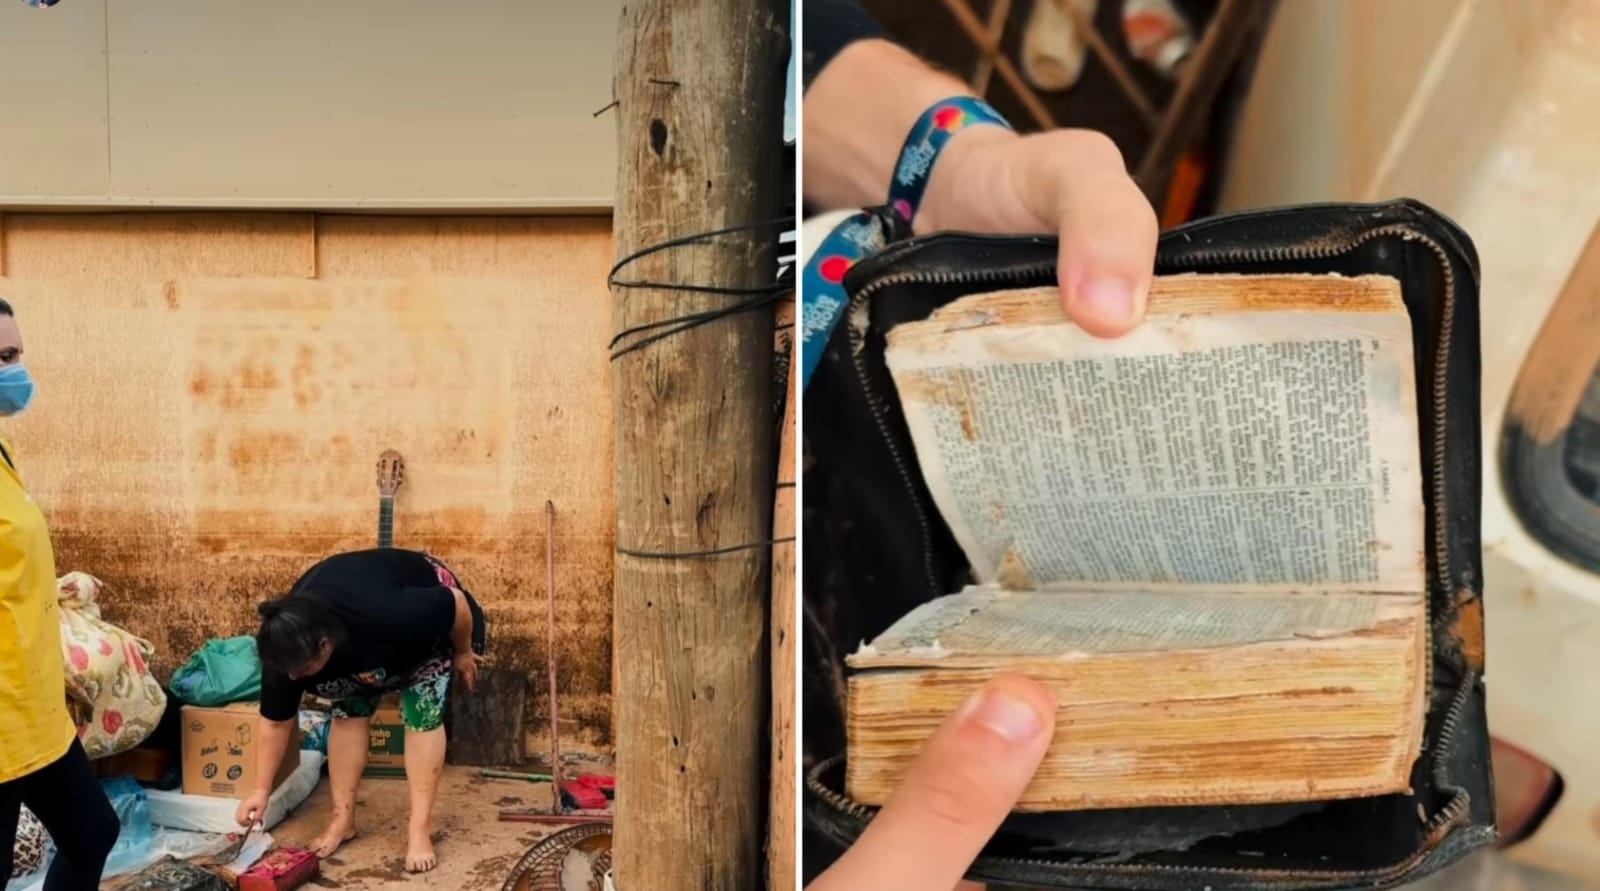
(1228, 450)
(983, 623)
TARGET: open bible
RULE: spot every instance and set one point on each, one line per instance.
(1207, 536)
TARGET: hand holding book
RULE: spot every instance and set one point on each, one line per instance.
(964, 782)
(1070, 183)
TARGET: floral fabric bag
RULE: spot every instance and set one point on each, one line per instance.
(113, 696)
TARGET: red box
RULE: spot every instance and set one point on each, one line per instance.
(604, 783)
(281, 870)
(581, 796)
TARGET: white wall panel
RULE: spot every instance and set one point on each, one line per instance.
(53, 100)
(298, 103)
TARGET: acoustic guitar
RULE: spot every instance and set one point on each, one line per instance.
(391, 473)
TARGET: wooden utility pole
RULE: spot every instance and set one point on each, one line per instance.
(699, 89)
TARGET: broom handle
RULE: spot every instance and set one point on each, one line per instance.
(550, 650)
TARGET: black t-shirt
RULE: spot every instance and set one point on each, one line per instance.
(830, 26)
(396, 616)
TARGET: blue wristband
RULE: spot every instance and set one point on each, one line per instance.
(822, 296)
(823, 300)
(926, 140)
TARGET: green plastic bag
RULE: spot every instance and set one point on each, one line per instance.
(225, 671)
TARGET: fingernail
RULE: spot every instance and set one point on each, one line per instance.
(1108, 298)
(1012, 719)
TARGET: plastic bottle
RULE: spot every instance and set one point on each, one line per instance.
(1157, 34)
(1053, 49)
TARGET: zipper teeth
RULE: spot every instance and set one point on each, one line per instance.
(1440, 406)
(835, 800)
(1455, 810)
(879, 415)
(1440, 416)
(1440, 380)
(877, 403)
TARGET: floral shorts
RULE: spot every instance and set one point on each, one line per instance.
(425, 693)
(425, 690)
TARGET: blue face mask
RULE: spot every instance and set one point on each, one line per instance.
(16, 389)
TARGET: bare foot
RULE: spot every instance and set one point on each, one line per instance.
(419, 853)
(335, 835)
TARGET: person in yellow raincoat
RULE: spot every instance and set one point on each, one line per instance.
(42, 764)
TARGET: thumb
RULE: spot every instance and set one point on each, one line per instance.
(955, 795)
(1106, 225)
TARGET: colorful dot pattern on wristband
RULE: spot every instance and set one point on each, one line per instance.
(823, 300)
(822, 296)
(926, 140)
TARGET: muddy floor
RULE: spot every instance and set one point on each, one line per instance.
(476, 850)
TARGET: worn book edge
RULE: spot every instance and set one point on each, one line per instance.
(1292, 718)
(988, 625)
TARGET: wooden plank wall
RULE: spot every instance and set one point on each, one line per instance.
(214, 390)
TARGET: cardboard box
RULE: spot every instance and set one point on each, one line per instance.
(386, 737)
(219, 751)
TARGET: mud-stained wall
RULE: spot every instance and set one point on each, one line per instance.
(214, 391)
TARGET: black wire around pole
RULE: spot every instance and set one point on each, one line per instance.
(754, 297)
(750, 299)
